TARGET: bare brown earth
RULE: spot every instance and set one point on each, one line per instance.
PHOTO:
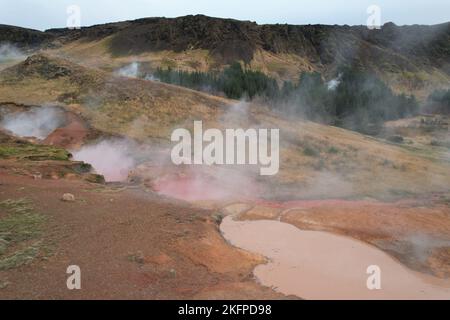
(132, 243)
(129, 242)
(129, 245)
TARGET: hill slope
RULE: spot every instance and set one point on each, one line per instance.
(315, 159)
(410, 58)
(330, 179)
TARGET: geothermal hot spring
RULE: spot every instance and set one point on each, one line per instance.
(110, 158)
(321, 265)
(308, 264)
(35, 122)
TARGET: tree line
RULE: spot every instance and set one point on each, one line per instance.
(355, 100)
(439, 101)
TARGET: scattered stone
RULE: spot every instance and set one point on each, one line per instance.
(95, 178)
(217, 217)
(396, 139)
(68, 197)
(137, 257)
(37, 176)
(161, 259)
(54, 176)
(4, 284)
(70, 176)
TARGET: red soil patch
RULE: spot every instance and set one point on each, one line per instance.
(72, 135)
(197, 186)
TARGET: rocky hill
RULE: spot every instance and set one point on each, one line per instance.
(22, 37)
(230, 40)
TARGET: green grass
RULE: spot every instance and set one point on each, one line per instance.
(33, 152)
(440, 143)
(21, 205)
(333, 150)
(20, 233)
(20, 257)
(137, 257)
(310, 151)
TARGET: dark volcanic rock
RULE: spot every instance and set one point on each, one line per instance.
(230, 40)
(22, 37)
(392, 47)
(227, 39)
(44, 66)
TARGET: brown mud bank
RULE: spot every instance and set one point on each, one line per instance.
(321, 265)
(414, 231)
(321, 249)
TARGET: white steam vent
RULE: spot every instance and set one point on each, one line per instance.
(131, 70)
(36, 122)
(9, 52)
(111, 158)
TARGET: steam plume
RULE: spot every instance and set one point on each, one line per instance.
(36, 122)
(131, 70)
(9, 52)
(113, 159)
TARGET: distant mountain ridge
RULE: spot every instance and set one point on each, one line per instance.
(236, 40)
(414, 50)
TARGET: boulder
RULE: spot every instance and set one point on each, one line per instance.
(68, 197)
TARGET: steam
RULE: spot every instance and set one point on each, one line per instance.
(235, 115)
(132, 70)
(36, 122)
(333, 83)
(422, 245)
(113, 159)
(9, 52)
(151, 77)
(216, 182)
(199, 183)
(326, 185)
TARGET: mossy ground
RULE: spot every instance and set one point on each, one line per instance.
(21, 231)
(33, 152)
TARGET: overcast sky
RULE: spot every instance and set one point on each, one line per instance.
(44, 14)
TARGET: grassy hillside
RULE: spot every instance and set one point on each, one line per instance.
(315, 159)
